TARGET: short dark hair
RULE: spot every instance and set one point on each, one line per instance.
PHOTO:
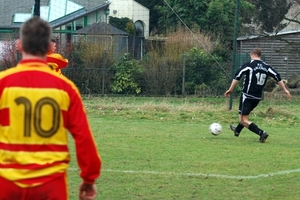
(256, 51)
(35, 35)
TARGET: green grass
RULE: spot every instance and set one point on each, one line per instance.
(160, 148)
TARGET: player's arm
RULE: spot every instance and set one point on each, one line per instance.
(231, 88)
(274, 74)
(56, 58)
(87, 154)
(64, 62)
(285, 90)
(238, 75)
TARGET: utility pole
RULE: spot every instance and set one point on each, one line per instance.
(36, 11)
(236, 23)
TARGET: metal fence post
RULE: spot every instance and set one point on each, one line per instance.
(237, 9)
(103, 71)
(183, 75)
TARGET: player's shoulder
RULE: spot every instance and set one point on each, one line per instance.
(54, 55)
(246, 64)
(66, 80)
(265, 63)
(8, 72)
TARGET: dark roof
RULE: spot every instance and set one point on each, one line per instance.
(9, 7)
(250, 37)
(101, 28)
(90, 4)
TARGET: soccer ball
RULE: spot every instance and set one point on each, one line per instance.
(215, 129)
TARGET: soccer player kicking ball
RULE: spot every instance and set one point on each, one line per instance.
(37, 107)
(255, 73)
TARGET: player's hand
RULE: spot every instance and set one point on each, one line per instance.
(288, 94)
(87, 191)
(227, 93)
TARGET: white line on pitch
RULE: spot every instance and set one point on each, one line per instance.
(199, 174)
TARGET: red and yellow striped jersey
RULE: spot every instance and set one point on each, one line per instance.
(37, 107)
(56, 61)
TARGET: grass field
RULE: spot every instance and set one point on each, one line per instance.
(160, 148)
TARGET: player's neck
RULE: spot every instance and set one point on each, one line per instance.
(29, 56)
(255, 58)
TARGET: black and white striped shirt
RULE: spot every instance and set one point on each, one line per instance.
(256, 73)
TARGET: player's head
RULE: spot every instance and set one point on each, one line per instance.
(35, 35)
(52, 47)
(256, 52)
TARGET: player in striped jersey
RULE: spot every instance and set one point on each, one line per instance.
(55, 60)
(255, 73)
(37, 107)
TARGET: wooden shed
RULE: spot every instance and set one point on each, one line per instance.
(281, 50)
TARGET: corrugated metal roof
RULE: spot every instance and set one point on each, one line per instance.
(250, 37)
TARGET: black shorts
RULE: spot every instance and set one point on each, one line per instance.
(247, 104)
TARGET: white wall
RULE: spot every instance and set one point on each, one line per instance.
(132, 10)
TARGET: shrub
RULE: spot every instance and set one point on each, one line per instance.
(202, 70)
(165, 60)
(126, 75)
(89, 67)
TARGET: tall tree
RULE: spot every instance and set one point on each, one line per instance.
(269, 13)
(215, 17)
(190, 12)
(219, 17)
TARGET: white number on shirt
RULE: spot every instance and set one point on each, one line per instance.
(261, 78)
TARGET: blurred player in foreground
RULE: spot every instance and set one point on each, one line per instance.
(37, 107)
(55, 60)
(256, 73)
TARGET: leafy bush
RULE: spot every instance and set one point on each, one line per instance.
(202, 70)
(161, 74)
(126, 74)
(124, 24)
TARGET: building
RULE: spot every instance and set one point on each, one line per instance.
(132, 10)
(66, 16)
(281, 50)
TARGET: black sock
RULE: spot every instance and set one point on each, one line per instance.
(255, 129)
(239, 128)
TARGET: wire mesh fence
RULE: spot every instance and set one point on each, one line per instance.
(98, 82)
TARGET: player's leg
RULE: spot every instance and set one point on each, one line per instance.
(263, 135)
(10, 190)
(237, 129)
(54, 189)
(249, 105)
